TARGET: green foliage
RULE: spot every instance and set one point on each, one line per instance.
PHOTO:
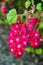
(12, 16)
(41, 29)
(8, 0)
(32, 2)
(32, 50)
(36, 14)
(27, 4)
(1, 21)
(28, 49)
(0, 11)
(42, 0)
(41, 25)
(39, 7)
(39, 51)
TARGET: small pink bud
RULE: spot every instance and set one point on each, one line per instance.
(4, 9)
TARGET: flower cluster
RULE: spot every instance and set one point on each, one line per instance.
(21, 34)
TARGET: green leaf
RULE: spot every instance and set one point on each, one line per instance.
(27, 4)
(41, 28)
(42, 0)
(35, 14)
(41, 25)
(0, 12)
(12, 16)
(38, 51)
(32, 50)
(1, 21)
(8, 1)
(39, 7)
(28, 49)
(32, 2)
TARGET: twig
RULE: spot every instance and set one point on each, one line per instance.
(20, 15)
(39, 25)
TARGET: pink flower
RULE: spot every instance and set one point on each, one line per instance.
(30, 26)
(34, 39)
(4, 9)
(33, 20)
